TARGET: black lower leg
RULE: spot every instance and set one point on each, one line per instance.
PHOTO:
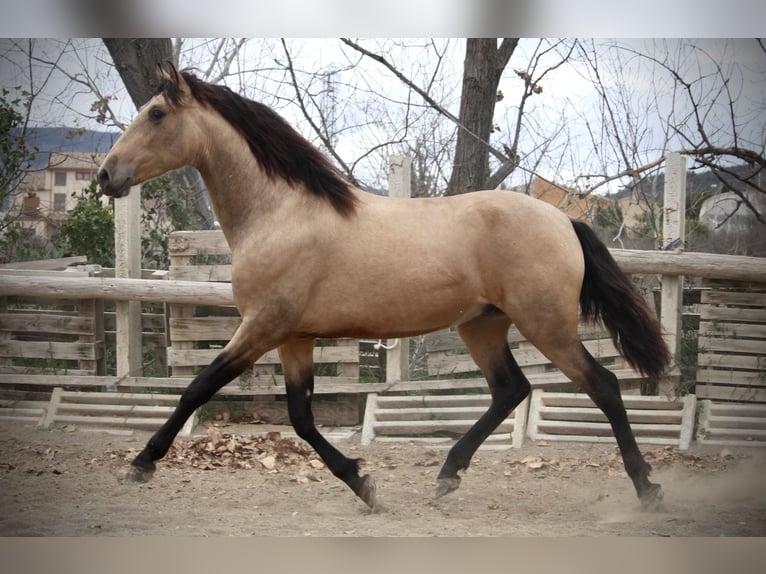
(605, 392)
(200, 390)
(346, 469)
(509, 387)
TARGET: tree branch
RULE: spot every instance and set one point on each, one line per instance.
(325, 140)
(504, 53)
(423, 94)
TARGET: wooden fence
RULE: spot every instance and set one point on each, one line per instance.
(53, 333)
(731, 374)
(51, 316)
(40, 334)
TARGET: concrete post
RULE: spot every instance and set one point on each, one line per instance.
(673, 238)
(398, 350)
(127, 262)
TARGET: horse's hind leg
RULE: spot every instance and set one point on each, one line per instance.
(297, 360)
(602, 387)
(486, 338)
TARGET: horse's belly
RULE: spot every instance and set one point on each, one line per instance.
(388, 317)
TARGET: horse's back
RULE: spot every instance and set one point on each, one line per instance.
(499, 227)
(485, 239)
(469, 211)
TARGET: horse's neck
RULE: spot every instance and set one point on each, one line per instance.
(242, 196)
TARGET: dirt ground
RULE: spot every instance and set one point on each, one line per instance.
(234, 480)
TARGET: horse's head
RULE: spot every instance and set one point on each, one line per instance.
(160, 138)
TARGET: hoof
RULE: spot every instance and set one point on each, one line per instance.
(447, 484)
(651, 500)
(138, 475)
(366, 492)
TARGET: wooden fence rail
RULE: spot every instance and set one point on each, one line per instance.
(201, 291)
(711, 266)
(691, 264)
(151, 290)
(196, 313)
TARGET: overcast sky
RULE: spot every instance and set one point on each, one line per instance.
(567, 102)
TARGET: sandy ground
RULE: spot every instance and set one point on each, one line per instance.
(71, 483)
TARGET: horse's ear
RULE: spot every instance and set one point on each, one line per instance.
(176, 86)
(168, 72)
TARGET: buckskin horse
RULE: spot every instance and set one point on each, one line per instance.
(307, 262)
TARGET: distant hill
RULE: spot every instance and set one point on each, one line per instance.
(696, 182)
(65, 140)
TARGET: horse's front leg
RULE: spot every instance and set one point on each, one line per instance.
(298, 362)
(232, 362)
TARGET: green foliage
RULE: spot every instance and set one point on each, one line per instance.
(688, 349)
(608, 220)
(645, 227)
(695, 229)
(165, 210)
(18, 243)
(89, 229)
(13, 153)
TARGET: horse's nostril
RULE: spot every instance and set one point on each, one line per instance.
(103, 176)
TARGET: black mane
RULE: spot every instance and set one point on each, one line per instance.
(279, 149)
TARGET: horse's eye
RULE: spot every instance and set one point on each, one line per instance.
(156, 114)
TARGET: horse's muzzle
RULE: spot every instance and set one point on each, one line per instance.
(112, 187)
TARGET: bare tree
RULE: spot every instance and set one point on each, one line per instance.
(714, 133)
(502, 117)
(136, 61)
(696, 103)
(484, 64)
(360, 113)
(16, 117)
(618, 133)
(14, 153)
(216, 56)
(478, 163)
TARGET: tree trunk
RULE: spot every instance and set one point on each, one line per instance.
(484, 64)
(136, 61)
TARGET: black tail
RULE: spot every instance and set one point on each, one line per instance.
(609, 296)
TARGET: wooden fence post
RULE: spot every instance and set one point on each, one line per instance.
(398, 350)
(127, 265)
(673, 238)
